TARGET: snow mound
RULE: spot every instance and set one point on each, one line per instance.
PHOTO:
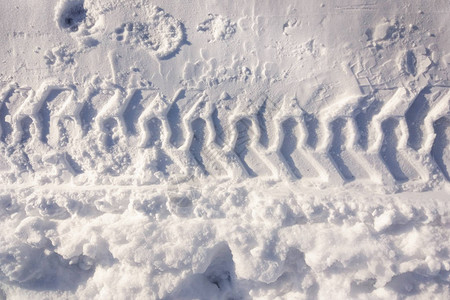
(219, 27)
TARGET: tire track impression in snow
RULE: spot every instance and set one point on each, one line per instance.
(441, 150)
(404, 139)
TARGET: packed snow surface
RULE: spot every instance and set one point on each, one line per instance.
(224, 150)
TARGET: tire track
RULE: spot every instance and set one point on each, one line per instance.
(441, 150)
(401, 140)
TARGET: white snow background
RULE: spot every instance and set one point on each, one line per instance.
(224, 150)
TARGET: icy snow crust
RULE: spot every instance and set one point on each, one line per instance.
(248, 150)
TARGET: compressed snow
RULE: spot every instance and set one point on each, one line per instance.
(248, 150)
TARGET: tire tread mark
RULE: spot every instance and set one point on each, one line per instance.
(441, 145)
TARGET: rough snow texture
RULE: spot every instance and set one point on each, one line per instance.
(172, 150)
(219, 27)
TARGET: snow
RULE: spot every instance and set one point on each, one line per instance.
(219, 150)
